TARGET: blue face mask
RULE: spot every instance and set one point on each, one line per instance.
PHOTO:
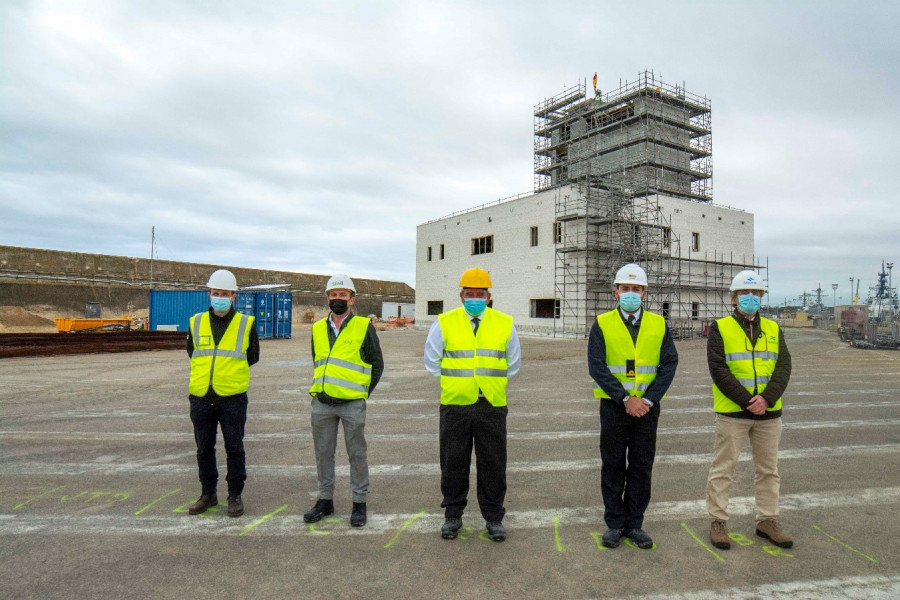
(220, 304)
(630, 301)
(748, 303)
(475, 306)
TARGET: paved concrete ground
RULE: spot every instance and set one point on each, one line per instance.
(98, 467)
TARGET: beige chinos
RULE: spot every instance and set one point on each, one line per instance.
(731, 434)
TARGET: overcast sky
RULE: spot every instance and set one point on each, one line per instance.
(315, 136)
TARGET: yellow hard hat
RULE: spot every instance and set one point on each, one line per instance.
(475, 278)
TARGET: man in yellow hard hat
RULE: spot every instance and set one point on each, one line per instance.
(632, 360)
(474, 350)
(750, 367)
(222, 344)
(348, 364)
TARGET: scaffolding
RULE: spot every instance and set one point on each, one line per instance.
(611, 157)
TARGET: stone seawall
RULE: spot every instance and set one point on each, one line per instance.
(67, 280)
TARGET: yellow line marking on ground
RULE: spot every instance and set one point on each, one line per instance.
(155, 501)
(250, 527)
(699, 541)
(559, 546)
(849, 547)
(21, 504)
(414, 518)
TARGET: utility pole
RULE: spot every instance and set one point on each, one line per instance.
(834, 288)
(852, 299)
(152, 245)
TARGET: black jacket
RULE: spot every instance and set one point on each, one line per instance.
(730, 386)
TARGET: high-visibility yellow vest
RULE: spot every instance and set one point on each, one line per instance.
(620, 349)
(471, 361)
(752, 365)
(223, 367)
(340, 371)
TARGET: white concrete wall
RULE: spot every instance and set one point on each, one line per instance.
(518, 271)
(521, 273)
(724, 232)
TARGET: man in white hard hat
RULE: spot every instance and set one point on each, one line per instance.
(347, 366)
(632, 360)
(474, 349)
(750, 367)
(222, 344)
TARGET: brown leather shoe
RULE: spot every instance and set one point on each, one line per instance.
(769, 529)
(205, 501)
(235, 505)
(718, 535)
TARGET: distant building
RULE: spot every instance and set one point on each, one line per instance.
(621, 177)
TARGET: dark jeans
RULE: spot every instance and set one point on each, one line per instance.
(484, 426)
(207, 416)
(627, 448)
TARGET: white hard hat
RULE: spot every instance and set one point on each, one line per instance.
(222, 280)
(631, 274)
(340, 282)
(747, 280)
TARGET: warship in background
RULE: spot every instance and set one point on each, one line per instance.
(882, 301)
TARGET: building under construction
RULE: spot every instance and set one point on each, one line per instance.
(622, 176)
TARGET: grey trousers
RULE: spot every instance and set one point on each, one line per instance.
(325, 419)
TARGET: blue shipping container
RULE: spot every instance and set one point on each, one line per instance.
(174, 309)
(264, 302)
(283, 314)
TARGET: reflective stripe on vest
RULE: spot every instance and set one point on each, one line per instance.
(340, 371)
(620, 348)
(223, 367)
(473, 362)
(752, 367)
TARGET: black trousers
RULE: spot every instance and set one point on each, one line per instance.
(483, 426)
(627, 448)
(231, 415)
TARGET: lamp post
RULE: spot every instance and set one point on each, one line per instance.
(834, 288)
(890, 290)
(851, 292)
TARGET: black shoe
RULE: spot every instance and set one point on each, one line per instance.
(205, 501)
(612, 537)
(358, 516)
(323, 508)
(640, 538)
(450, 528)
(235, 505)
(496, 531)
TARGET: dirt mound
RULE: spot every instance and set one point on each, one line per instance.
(16, 316)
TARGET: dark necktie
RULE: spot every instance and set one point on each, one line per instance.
(475, 322)
(632, 329)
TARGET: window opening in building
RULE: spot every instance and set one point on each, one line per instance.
(544, 308)
(557, 232)
(695, 241)
(429, 253)
(534, 237)
(435, 307)
(483, 245)
(665, 310)
(442, 252)
(695, 311)
(667, 237)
